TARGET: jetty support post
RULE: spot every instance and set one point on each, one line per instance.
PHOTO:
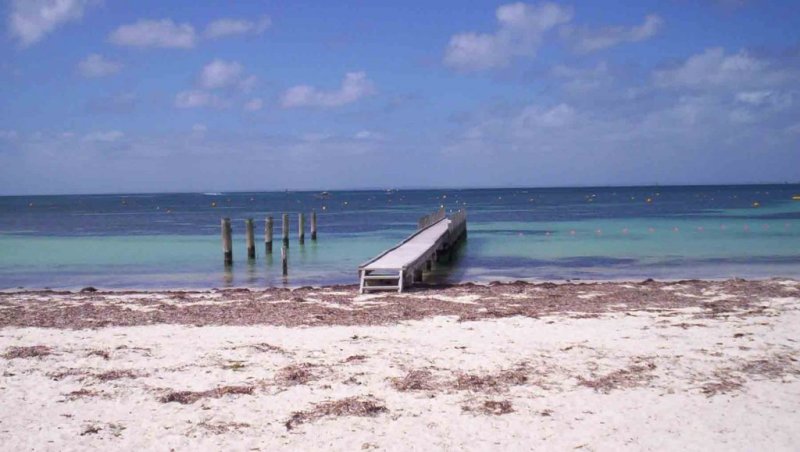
(250, 239)
(285, 224)
(301, 228)
(284, 261)
(314, 225)
(227, 242)
(268, 235)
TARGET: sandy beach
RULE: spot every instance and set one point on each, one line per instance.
(695, 365)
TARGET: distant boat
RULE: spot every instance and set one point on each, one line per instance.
(322, 195)
(796, 197)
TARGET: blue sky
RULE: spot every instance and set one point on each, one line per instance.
(111, 96)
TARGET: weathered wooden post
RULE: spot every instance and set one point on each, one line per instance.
(284, 262)
(314, 225)
(285, 221)
(227, 242)
(249, 238)
(301, 228)
(268, 235)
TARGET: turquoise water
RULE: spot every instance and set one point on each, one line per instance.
(172, 240)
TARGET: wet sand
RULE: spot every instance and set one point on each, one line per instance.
(712, 365)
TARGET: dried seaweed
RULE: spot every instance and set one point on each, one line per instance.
(296, 374)
(101, 353)
(351, 406)
(632, 376)
(188, 397)
(491, 407)
(116, 374)
(218, 428)
(35, 351)
(491, 382)
(415, 380)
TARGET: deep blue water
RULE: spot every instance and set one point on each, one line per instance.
(172, 240)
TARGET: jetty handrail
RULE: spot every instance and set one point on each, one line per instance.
(431, 219)
(457, 220)
(418, 232)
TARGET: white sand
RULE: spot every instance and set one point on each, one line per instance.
(552, 411)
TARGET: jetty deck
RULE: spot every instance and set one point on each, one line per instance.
(403, 264)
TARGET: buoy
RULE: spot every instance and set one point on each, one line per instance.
(756, 204)
(649, 200)
(213, 204)
(324, 207)
(796, 197)
(30, 204)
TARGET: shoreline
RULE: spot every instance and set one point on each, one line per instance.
(415, 287)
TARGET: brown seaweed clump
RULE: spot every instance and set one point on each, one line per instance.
(35, 351)
(415, 380)
(188, 397)
(350, 406)
(295, 374)
(629, 377)
(491, 407)
(491, 382)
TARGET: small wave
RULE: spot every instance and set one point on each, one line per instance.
(213, 193)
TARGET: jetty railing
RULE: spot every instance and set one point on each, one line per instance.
(431, 219)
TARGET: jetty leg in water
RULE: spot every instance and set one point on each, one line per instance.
(284, 261)
(285, 221)
(301, 228)
(268, 235)
(227, 243)
(314, 225)
(249, 238)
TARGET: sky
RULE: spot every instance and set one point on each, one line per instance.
(186, 96)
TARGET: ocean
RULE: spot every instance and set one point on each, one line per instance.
(159, 241)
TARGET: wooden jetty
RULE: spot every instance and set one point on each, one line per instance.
(402, 265)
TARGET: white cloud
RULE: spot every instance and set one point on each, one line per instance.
(226, 27)
(368, 135)
(30, 20)
(521, 28)
(220, 74)
(197, 99)
(535, 116)
(254, 104)
(355, 86)
(96, 65)
(589, 40)
(155, 33)
(714, 68)
(105, 137)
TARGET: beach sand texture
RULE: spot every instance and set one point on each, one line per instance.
(692, 365)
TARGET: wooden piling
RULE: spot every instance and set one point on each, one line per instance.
(285, 224)
(284, 261)
(227, 242)
(301, 228)
(314, 225)
(249, 238)
(268, 235)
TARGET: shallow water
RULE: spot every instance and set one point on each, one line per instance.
(172, 240)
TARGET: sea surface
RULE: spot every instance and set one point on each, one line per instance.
(150, 241)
